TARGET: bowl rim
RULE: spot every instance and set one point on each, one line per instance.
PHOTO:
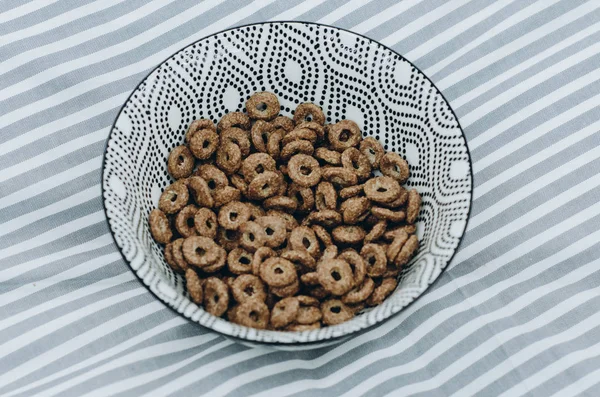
(331, 339)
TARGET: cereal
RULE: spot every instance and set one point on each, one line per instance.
(159, 226)
(181, 162)
(264, 223)
(262, 106)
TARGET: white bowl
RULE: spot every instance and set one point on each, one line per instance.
(349, 76)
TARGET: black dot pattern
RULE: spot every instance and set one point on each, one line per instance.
(350, 77)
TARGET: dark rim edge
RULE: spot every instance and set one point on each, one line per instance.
(333, 338)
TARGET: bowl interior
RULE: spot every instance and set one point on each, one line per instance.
(349, 76)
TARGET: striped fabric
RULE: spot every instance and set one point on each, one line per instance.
(516, 313)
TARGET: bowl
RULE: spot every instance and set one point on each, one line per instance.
(349, 76)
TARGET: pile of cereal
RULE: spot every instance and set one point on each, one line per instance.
(279, 223)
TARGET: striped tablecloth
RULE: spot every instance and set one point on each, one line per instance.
(516, 313)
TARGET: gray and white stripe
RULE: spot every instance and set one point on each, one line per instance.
(516, 313)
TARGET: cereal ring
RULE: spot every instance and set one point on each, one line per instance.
(204, 143)
(388, 285)
(181, 162)
(394, 249)
(216, 296)
(335, 312)
(375, 259)
(309, 112)
(214, 177)
(303, 238)
(343, 134)
(351, 191)
(385, 213)
(335, 275)
(357, 264)
(233, 214)
(302, 327)
(194, 286)
(308, 315)
(262, 106)
(283, 122)
(255, 211)
(178, 257)
(340, 176)
(259, 257)
(360, 293)
(200, 251)
(174, 198)
(407, 251)
(301, 259)
(281, 203)
(219, 263)
(248, 286)
(239, 261)
(319, 292)
(228, 239)
(413, 207)
(382, 189)
(252, 236)
(354, 208)
(234, 119)
(159, 226)
(327, 218)
(260, 134)
(290, 222)
(304, 170)
(184, 221)
(256, 164)
(303, 196)
(200, 192)
(325, 196)
(284, 312)
(205, 222)
(229, 158)
(284, 185)
(357, 162)
(296, 147)
(310, 278)
(275, 232)
(394, 166)
(330, 252)
(322, 235)
(278, 272)
(373, 150)
(328, 156)
(275, 143)
(348, 234)
(226, 195)
(316, 127)
(300, 134)
(238, 137)
(264, 186)
(197, 125)
(306, 300)
(239, 183)
(376, 231)
(402, 197)
(288, 290)
(169, 258)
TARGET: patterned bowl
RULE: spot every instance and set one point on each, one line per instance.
(349, 76)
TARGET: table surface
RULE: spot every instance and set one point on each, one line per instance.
(516, 313)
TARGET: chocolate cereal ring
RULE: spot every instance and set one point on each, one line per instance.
(228, 239)
(193, 285)
(259, 257)
(316, 127)
(304, 170)
(300, 134)
(303, 238)
(234, 119)
(388, 285)
(204, 143)
(288, 290)
(275, 143)
(335, 312)
(340, 176)
(214, 177)
(382, 189)
(328, 156)
(216, 296)
(376, 231)
(401, 200)
(229, 157)
(326, 218)
(182, 263)
(262, 106)
(200, 192)
(407, 251)
(239, 261)
(184, 220)
(219, 263)
(252, 236)
(256, 164)
(239, 183)
(239, 137)
(394, 166)
(296, 147)
(394, 248)
(275, 231)
(351, 191)
(360, 293)
(278, 272)
(357, 264)
(174, 198)
(330, 252)
(233, 214)
(414, 206)
(301, 259)
(197, 125)
(348, 234)
(325, 196)
(284, 123)
(357, 162)
(375, 259)
(355, 209)
(284, 312)
(181, 162)
(344, 134)
(248, 286)
(159, 226)
(169, 258)
(335, 275)
(309, 112)
(260, 134)
(264, 186)
(304, 197)
(386, 213)
(322, 234)
(281, 203)
(226, 195)
(205, 222)
(255, 211)
(310, 278)
(290, 222)
(308, 315)
(200, 251)
(373, 150)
